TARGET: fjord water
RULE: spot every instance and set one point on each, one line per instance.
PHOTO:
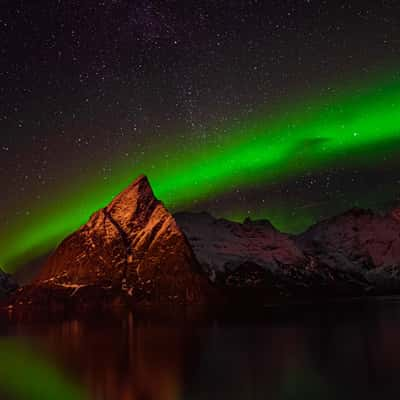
(343, 350)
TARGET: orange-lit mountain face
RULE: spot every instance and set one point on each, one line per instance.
(134, 251)
(131, 250)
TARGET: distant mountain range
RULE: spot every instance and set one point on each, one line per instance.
(134, 251)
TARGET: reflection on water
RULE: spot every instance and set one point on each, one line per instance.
(25, 374)
(344, 351)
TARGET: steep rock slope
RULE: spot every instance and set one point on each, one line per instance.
(133, 245)
(255, 254)
(358, 240)
(222, 246)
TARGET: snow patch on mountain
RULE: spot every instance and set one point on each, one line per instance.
(358, 239)
(222, 246)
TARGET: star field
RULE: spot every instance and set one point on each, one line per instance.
(93, 92)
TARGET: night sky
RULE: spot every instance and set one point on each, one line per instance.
(286, 110)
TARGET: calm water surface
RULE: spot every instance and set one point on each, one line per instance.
(339, 351)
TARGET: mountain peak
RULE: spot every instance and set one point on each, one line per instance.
(134, 246)
(136, 198)
(358, 212)
(141, 186)
(141, 179)
(258, 222)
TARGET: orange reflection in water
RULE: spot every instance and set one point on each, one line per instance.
(117, 357)
(346, 351)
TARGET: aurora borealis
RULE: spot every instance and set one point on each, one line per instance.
(352, 127)
(289, 112)
(281, 110)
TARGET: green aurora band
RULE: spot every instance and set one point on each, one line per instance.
(347, 127)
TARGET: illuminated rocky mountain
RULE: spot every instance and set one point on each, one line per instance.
(361, 241)
(133, 247)
(255, 255)
(136, 251)
(350, 254)
(221, 246)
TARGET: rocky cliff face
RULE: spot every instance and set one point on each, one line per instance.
(222, 246)
(134, 246)
(255, 255)
(360, 241)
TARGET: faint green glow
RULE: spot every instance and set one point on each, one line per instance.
(340, 129)
(26, 375)
(305, 383)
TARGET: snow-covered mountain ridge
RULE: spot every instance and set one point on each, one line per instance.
(135, 250)
(358, 248)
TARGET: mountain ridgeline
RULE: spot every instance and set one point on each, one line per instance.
(134, 248)
(135, 252)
